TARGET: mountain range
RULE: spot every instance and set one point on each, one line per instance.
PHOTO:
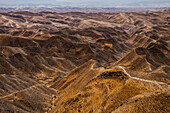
(77, 62)
(85, 3)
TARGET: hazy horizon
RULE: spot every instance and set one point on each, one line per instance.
(85, 3)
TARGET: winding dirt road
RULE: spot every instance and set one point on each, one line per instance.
(135, 78)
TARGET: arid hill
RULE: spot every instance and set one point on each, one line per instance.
(85, 62)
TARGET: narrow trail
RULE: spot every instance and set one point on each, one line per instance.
(2, 97)
(140, 79)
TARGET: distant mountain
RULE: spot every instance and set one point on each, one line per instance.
(86, 3)
(78, 9)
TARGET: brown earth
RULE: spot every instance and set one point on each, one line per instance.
(85, 62)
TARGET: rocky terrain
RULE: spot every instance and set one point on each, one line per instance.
(85, 62)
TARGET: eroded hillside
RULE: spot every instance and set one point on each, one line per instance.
(85, 62)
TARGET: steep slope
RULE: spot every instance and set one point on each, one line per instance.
(22, 94)
(147, 63)
(151, 102)
(105, 92)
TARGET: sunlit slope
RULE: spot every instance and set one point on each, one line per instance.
(150, 102)
(100, 91)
